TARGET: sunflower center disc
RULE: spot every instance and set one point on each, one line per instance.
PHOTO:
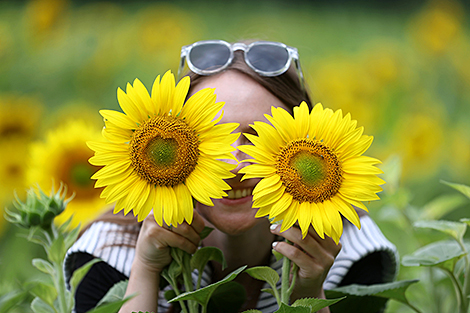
(164, 150)
(309, 170)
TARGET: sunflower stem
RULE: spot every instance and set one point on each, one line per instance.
(188, 281)
(174, 285)
(286, 264)
(294, 278)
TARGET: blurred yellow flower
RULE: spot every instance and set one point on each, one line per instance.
(419, 139)
(43, 16)
(63, 157)
(14, 123)
(313, 169)
(13, 159)
(346, 85)
(458, 158)
(438, 26)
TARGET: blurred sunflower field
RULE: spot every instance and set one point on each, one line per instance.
(402, 69)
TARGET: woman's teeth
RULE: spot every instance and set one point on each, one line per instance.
(239, 193)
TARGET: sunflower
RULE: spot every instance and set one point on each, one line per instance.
(312, 169)
(160, 153)
(14, 123)
(63, 157)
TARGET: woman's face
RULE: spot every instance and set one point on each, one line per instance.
(245, 102)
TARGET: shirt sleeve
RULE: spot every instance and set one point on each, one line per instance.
(366, 257)
(113, 244)
(96, 283)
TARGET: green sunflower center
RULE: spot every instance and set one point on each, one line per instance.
(164, 150)
(309, 166)
(309, 170)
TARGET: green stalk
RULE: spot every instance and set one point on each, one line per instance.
(60, 286)
(188, 281)
(178, 292)
(294, 278)
(466, 282)
(458, 290)
(285, 278)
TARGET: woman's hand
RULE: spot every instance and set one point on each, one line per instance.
(152, 255)
(314, 257)
(154, 242)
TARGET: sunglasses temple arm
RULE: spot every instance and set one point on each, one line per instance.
(181, 67)
(300, 75)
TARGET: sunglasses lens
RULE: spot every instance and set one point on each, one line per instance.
(267, 58)
(209, 56)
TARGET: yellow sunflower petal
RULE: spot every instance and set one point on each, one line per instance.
(147, 207)
(185, 202)
(119, 119)
(302, 120)
(290, 216)
(128, 106)
(317, 221)
(281, 205)
(265, 199)
(256, 170)
(305, 217)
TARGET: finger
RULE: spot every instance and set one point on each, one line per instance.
(313, 245)
(295, 255)
(326, 242)
(172, 239)
(198, 222)
(188, 232)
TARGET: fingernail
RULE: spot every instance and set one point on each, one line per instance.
(273, 227)
(275, 244)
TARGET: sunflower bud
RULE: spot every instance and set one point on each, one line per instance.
(39, 209)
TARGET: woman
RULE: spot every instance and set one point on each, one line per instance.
(267, 74)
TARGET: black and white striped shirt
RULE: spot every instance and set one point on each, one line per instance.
(106, 241)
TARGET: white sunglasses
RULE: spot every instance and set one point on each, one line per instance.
(265, 57)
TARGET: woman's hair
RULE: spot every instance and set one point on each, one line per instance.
(286, 87)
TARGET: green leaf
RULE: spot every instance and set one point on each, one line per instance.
(39, 306)
(278, 255)
(205, 232)
(110, 307)
(44, 266)
(252, 311)
(56, 251)
(464, 189)
(441, 206)
(172, 271)
(46, 292)
(270, 291)
(443, 254)
(284, 308)
(71, 237)
(454, 229)
(206, 254)
(264, 273)
(80, 273)
(10, 300)
(203, 295)
(465, 220)
(115, 293)
(316, 304)
(361, 298)
(227, 298)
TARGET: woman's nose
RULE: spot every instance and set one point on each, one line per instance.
(239, 155)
